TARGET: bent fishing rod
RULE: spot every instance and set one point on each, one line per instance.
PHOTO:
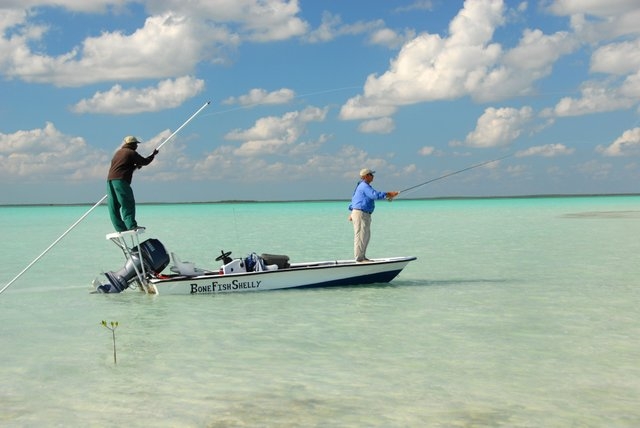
(478, 165)
(96, 205)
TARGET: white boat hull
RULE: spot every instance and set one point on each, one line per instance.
(298, 275)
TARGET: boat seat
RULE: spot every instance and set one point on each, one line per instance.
(280, 260)
(183, 268)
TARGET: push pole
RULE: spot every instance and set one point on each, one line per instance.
(93, 207)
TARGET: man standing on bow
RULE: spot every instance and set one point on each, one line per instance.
(362, 206)
(122, 205)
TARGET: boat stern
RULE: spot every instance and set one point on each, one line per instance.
(149, 257)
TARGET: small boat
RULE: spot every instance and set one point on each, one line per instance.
(145, 262)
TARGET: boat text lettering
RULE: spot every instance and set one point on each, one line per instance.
(216, 286)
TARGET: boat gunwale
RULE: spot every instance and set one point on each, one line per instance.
(295, 267)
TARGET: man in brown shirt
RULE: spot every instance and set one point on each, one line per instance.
(122, 205)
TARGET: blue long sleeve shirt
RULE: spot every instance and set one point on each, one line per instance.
(364, 197)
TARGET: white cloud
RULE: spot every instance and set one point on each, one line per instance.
(595, 170)
(172, 41)
(547, 150)
(332, 27)
(167, 94)
(631, 87)
(94, 6)
(389, 38)
(255, 20)
(628, 144)
(617, 58)
(275, 135)
(600, 8)
(430, 67)
(416, 5)
(426, 150)
(596, 97)
(597, 20)
(536, 50)
(383, 125)
(529, 61)
(467, 62)
(258, 96)
(167, 45)
(150, 52)
(499, 127)
(273, 20)
(612, 92)
(363, 107)
(11, 17)
(48, 154)
(517, 170)
(327, 29)
(345, 164)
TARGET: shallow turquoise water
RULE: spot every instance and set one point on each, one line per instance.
(517, 313)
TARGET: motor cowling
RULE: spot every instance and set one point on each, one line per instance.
(154, 256)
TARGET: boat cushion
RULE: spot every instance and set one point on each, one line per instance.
(280, 260)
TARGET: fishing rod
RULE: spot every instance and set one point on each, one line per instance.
(454, 173)
(95, 206)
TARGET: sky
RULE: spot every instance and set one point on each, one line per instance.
(303, 94)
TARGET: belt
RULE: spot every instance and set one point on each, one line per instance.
(368, 212)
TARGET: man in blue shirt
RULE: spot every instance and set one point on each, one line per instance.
(361, 207)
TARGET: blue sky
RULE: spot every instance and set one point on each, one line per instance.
(306, 93)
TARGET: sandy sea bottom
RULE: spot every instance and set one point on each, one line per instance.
(517, 313)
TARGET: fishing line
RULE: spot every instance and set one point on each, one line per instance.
(454, 173)
(94, 206)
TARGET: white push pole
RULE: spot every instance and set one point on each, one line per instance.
(93, 207)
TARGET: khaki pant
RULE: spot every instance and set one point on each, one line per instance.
(361, 233)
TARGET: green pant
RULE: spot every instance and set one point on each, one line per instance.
(122, 205)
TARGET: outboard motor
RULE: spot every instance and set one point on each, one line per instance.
(154, 257)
